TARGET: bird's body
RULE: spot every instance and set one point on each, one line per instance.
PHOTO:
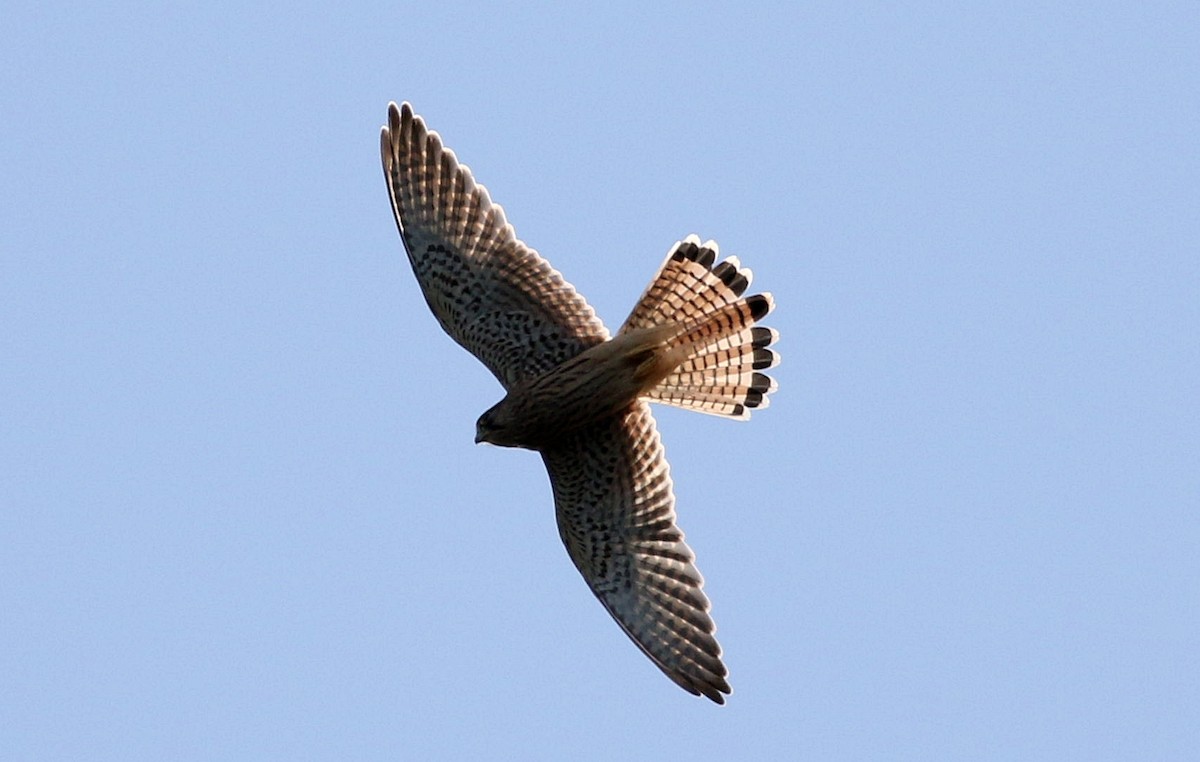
(579, 397)
(600, 382)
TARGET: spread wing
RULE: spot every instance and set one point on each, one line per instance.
(616, 515)
(493, 294)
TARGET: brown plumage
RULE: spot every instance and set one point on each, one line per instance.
(579, 397)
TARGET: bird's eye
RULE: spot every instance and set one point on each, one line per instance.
(486, 423)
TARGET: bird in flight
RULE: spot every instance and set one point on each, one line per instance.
(579, 396)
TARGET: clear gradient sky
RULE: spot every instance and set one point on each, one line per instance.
(241, 514)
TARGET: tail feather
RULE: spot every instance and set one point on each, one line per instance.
(722, 379)
(747, 347)
(704, 403)
(713, 332)
(688, 287)
(717, 349)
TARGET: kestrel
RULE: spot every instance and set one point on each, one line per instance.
(579, 397)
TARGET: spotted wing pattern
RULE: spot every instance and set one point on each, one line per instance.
(616, 515)
(489, 291)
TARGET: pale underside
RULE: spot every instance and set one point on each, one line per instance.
(612, 488)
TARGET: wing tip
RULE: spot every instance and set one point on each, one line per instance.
(714, 689)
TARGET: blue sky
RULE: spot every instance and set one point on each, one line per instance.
(243, 516)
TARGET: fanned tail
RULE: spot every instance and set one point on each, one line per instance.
(718, 351)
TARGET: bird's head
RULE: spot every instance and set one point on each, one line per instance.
(494, 427)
